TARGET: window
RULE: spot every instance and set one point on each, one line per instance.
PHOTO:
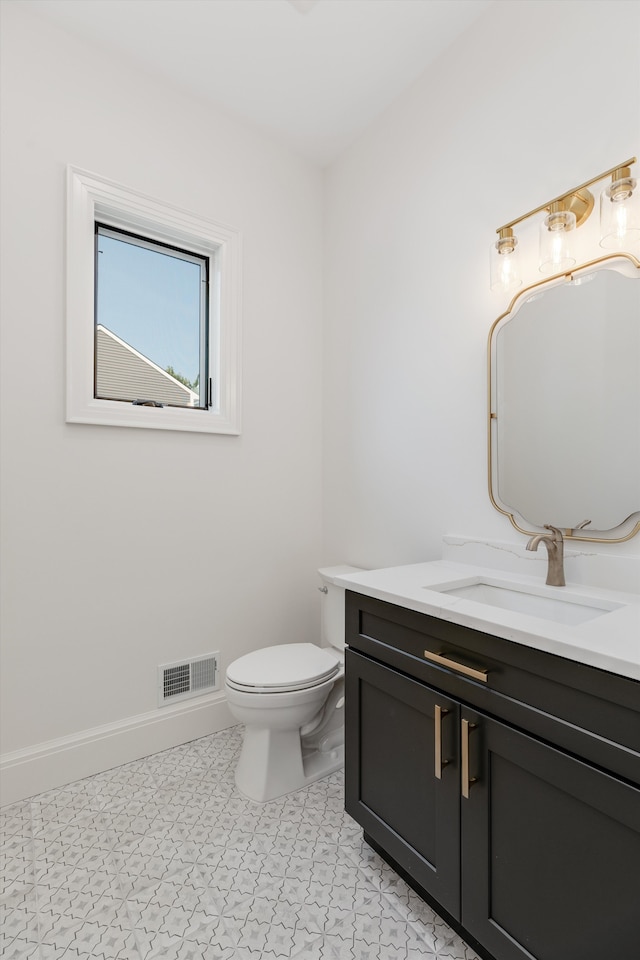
(152, 322)
(153, 327)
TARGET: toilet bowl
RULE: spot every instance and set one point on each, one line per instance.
(290, 697)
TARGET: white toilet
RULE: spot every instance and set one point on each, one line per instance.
(291, 699)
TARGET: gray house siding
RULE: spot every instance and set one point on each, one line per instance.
(124, 374)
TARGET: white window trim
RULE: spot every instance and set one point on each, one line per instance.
(91, 198)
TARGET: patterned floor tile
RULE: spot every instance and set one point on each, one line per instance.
(15, 820)
(202, 941)
(162, 859)
(19, 950)
(70, 807)
(145, 880)
(16, 865)
(18, 928)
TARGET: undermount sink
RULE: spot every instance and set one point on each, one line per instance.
(569, 608)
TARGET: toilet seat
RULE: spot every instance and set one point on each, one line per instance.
(281, 668)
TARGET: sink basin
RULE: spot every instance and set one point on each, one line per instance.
(541, 601)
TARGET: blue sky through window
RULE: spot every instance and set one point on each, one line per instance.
(151, 300)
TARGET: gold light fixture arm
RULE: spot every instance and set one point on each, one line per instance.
(583, 200)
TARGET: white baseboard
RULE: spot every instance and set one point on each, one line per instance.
(53, 763)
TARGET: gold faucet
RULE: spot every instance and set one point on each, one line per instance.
(554, 542)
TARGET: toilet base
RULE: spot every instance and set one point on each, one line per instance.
(274, 762)
(320, 764)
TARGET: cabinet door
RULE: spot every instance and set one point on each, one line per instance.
(402, 773)
(550, 851)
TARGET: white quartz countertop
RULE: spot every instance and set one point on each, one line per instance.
(609, 641)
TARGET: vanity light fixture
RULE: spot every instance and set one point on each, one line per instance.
(619, 226)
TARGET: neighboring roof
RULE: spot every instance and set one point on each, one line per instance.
(122, 373)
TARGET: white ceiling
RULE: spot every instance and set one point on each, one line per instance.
(312, 72)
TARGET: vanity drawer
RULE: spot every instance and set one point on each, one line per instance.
(589, 712)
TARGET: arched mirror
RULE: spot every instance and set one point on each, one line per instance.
(564, 404)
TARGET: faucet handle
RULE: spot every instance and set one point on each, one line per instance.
(580, 526)
(569, 532)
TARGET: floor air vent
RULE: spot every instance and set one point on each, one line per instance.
(187, 678)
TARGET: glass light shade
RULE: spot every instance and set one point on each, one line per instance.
(556, 235)
(505, 264)
(620, 214)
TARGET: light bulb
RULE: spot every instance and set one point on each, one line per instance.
(620, 220)
(556, 233)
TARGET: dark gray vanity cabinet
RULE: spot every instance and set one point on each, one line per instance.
(399, 795)
(509, 795)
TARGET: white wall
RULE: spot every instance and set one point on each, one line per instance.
(124, 548)
(535, 99)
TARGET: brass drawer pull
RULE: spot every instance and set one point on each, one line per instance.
(439, 713)
(474, 672)
(466, 779)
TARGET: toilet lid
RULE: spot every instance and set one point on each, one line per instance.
(288, 666)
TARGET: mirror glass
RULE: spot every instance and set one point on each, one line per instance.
(565, 404)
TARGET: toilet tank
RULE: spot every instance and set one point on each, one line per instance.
(333, 605)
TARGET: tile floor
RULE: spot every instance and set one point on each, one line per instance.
(162, 858)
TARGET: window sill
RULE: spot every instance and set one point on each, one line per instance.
(117, 414)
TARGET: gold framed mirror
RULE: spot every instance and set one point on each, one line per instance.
(564, 403)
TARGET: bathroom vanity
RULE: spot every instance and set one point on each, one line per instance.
(493, 755)
(492, 722)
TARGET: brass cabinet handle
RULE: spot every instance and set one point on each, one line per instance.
(477, 673)
(439, 713)
(466, 779)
